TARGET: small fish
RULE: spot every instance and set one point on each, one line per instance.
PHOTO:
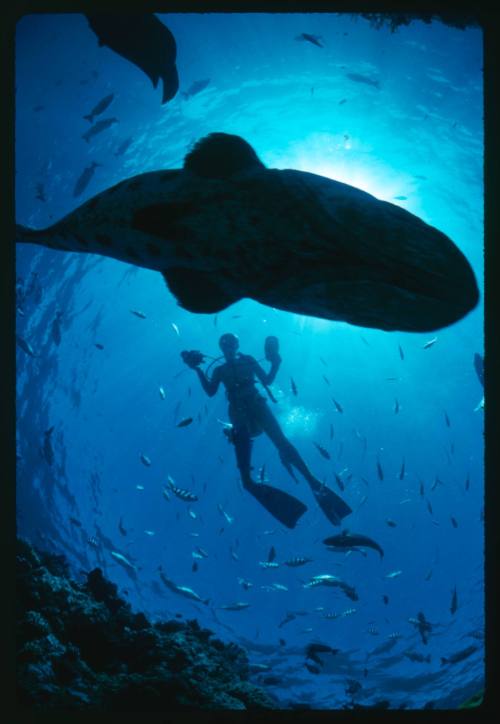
(454, 601)
(84, 179)
(194, 567)
(268, 564)
(394, 574)
(385, 599)
(312, 668)
(297, 561)
(331, 432)
(447, 419)
(430, 343)
(145, 460)
(293, 386)
(192, 514)
(123, 561)
(358, 78)
(428, 575)
(350, 541)
(166, 494)
(48, 451)
(175, 328)
(162, 393)
(99, 127)
(380, 471)
(339, 481)
(98, 345)
(141, 315)
(337, 405)
(322, 451)
(314, 39)
(385, 647)
(400, 198)
(429, 507)
(353, 687)
(245, 584)
(348, 612)
(123, 146)
(25, 346)
(40, 192)
(237, 606)
(453, 521)
(401, 353)
(415, 656)
(422, 489)
(479, 367)
(185, 422)
(195, 88)
(289, 617)
(323, 361)
(181, 493)
(341, 102)
(182, 590)
(74, 521)
(100, 107)
(139, 487)
(272, 554)
(467, 482)
(396, 406)
(331, 615)
(459, 655)
(121, 528)
(326, 380)
(92, 541)
(234, 555)
(402, 471)
(226, 515)
(391, 523)
(149, 532)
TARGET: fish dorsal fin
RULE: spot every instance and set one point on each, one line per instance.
(220, 155)
(197, 291)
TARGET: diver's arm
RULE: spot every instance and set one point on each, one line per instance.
(210, 386)
(267, 378)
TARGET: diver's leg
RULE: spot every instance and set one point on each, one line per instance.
(330, 503)
(281, 505)
(243, 449)
(288, 452)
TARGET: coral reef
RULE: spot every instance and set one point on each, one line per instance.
(80, 646)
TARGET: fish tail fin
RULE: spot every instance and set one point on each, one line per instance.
(25, 234)
(89, 118)
(206, 601)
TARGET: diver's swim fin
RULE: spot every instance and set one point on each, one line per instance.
(330, 503)
(283, 506)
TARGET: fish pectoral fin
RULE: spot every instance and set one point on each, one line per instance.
(197, 291)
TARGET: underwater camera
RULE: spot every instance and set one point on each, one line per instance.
(193, 357)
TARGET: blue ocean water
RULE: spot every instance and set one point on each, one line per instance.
(418, 135)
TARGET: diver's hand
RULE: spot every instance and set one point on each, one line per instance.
(193, 358)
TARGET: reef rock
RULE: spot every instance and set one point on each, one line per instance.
(80, 646)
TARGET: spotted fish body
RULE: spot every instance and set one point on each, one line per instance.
(181, 493)
(225, 227)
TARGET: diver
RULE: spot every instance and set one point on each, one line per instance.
(250, 416)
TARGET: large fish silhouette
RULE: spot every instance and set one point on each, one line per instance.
(224, 227)
(145, 41)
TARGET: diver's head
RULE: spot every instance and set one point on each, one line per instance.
(229, 344)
